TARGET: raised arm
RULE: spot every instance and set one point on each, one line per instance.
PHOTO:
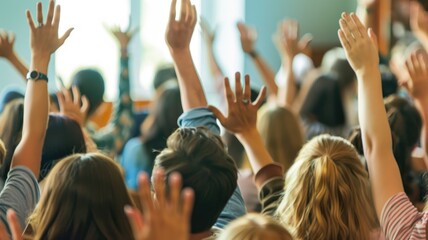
(287, 41)
(7, 40)
(209, 37)
(417, 66)
(248, 39)
(241, 120)
(361, 51)
(178, 36)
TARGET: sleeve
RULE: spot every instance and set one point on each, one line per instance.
(199, 117)
(270, 195)
(234, 209)
(112, 138)
(401, 220)
(21, 193)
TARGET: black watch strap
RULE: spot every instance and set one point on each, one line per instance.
(35, 76)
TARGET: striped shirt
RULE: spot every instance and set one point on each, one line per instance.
(401, 220)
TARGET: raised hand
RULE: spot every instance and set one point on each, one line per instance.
(208, 33)
(419, 22)
(14, 226)
(44, 38)
(179, 32)
(7, 40)
(123, 37)
(287, 39)
(248, 37)
(417, 67)
(242, 113)
(73, 106)
(163, 218)
(360, 45)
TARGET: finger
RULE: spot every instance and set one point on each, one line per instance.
(159, 185)
(57, 16)
(30, 20)
(14, 224)
(409, 67)
(76, 96)
(344, 40)
(247, 88)
(293, 29)
(65, 36)
(67, 96)
(183, 11)
(260, 98)
(85, 105)
(145, 195)
(11, 39)
(61, 100)
(195, 18)
(415, 61)
(189, 11)
(175, 190)
(217, 113)
(39, 13)
(346, 31)
(228, 91)
(351, 25)
(51, 9)
(238, 87)
(135, 219)
(172, 11)
(422, 62)
(241, 28)
(188, 197)
(359, 27)
(3, 231)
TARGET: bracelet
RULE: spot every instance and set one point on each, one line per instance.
(253, 54)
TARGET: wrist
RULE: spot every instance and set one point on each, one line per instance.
(249, 134)
(177, 53)
(253, 54)
(40, 64)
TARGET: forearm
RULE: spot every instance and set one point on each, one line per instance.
(267, 73)
(256, 151)
(215, 69)
(19, 65)
(287, 93)
(192, 93)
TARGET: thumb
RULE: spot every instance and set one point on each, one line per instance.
(305, 41)
(65, 36)
(14, 225)
(373, 37)
(218, 114)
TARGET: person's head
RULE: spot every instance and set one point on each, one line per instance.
(254, 227)
(281, 133)
(162, 120)
(8, 95)
(53, 103)
(63, 137)
(335, 62)
(206, 167)
(90, 84)
(327, 193)
(83, 198)
(164, 74)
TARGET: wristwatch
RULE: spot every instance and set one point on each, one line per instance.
(35, 75)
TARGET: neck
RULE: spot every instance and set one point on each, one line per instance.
(201, 235)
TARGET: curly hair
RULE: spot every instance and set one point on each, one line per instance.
(327, 193)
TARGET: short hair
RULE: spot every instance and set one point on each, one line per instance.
(206, 167)
(83, 198)
(327, 193)
(164, 74)
(254, 226)
(90, 84)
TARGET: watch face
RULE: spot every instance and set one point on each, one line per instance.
(34, 75)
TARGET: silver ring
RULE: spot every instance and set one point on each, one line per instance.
(245, 101)
(40, 25)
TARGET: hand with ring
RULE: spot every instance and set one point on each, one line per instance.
(242, 114)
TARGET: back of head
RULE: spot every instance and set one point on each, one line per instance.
(8, 95)
(162, 120)
(334, 61)
(327, 194)
(90, 84)
(202, 160)
(83, 198)
(281, 133)
(63, 138)
(10, 132)
(164, 74)
(254, 227)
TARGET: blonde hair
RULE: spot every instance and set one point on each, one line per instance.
(83, 198)
(2, 151)
(254, 227)
(327, 193)
(281, 133)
